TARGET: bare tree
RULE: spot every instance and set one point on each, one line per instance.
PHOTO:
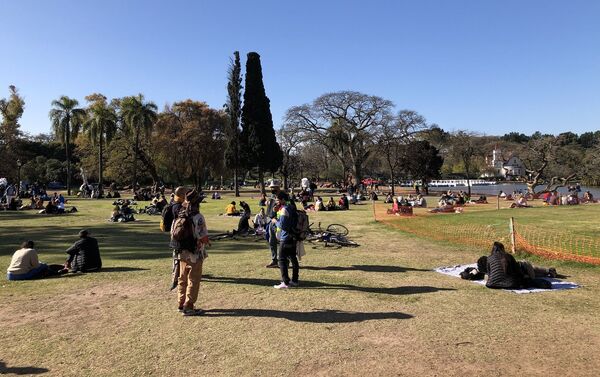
(289, 141)
(549, 163)
(346, 123)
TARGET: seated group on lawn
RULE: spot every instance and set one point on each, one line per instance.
(84, 256)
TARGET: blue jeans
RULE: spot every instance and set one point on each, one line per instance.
(29, 275)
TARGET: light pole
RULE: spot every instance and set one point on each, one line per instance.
(19, 177)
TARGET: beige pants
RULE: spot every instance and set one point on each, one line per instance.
(190, 275)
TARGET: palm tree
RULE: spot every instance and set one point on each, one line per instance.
(66, 120)
(100, 127)
(138, 118)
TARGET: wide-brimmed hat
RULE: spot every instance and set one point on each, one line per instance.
(274, 183)
(192, 196)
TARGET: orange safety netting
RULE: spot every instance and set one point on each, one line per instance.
(531, 239)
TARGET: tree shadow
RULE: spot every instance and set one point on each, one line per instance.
(21, 370)
(367, 268)
(310, 284)
(316, 316)
(122, 269)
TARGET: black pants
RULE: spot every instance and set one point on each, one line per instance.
(287, 251)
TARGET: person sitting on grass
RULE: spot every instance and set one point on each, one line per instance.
(588, 197)
(482, 200)
(260, 220)
(84, 255)
(319, 206)
(330, 206)
(520, 203)
(389, 198)
(25, 264)
(420, 202)
(263, 200)
(230, 210)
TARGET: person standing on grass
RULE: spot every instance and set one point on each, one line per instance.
(287, 217)
(84, 255)
(177, 199)
(272, 208)
(192, 252)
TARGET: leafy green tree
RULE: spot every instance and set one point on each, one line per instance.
(138, 120)
(233, 108)
(422, 161)
(259, 146)
(11, 110)
(100, 127)
(66, 119)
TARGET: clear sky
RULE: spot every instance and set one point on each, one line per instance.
(480, 65)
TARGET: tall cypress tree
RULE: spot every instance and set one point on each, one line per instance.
(259, 147)
(233, 108)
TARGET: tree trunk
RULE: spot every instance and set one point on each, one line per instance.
(100, 167)
(392, 179)
(67, 140)
(235, 182)
(135, 156)
(261, 180)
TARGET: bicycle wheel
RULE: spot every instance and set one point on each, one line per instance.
(338, 229)
(343, 241)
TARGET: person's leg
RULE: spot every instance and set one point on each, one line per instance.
(193, 286)
(283, 263)
(295, 265)
(184, 271)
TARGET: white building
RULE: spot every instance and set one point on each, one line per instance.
(512, 168)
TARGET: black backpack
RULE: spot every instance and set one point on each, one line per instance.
(167, 218)
(471, 273)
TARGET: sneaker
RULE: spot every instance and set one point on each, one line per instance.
(192, 312)
(272, 265)
(180, 309)
(281, 285)
(293, 283)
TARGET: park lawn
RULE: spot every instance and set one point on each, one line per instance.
(377, 309)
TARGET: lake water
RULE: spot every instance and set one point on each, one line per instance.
(509, 188)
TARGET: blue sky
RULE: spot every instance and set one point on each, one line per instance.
(487, 66)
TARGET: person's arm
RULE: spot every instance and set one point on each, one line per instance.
(35, 262)
(72, 251)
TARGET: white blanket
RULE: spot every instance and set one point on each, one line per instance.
(556, 283)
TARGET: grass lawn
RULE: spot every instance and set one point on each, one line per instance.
(377, 309)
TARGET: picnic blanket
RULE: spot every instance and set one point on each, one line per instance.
(556, 283)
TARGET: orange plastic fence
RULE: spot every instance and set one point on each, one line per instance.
(531, 239)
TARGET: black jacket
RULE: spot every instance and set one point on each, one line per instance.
(503, 271)
(84, 255)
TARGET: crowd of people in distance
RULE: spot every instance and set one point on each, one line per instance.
(83, 256)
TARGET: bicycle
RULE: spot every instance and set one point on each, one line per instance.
(334, 234)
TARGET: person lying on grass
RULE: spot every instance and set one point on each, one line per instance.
(25, 264)
(505, 272)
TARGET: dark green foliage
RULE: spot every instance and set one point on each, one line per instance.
(233, 107)
(259, 146)
(515, 137)
(422, 160)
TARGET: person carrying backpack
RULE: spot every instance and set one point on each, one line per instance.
(287, 218)
(189, 237)
(169, 213)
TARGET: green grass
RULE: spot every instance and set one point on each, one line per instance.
(376, 309)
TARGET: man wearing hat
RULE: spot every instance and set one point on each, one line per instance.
(191, 253)
(178, 197)
(84, 255)
(272, 208)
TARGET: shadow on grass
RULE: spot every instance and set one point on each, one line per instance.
(367, 268)
(317, 316)
(310, 284)
(21, 370)
(122, 269)
(125, 241)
